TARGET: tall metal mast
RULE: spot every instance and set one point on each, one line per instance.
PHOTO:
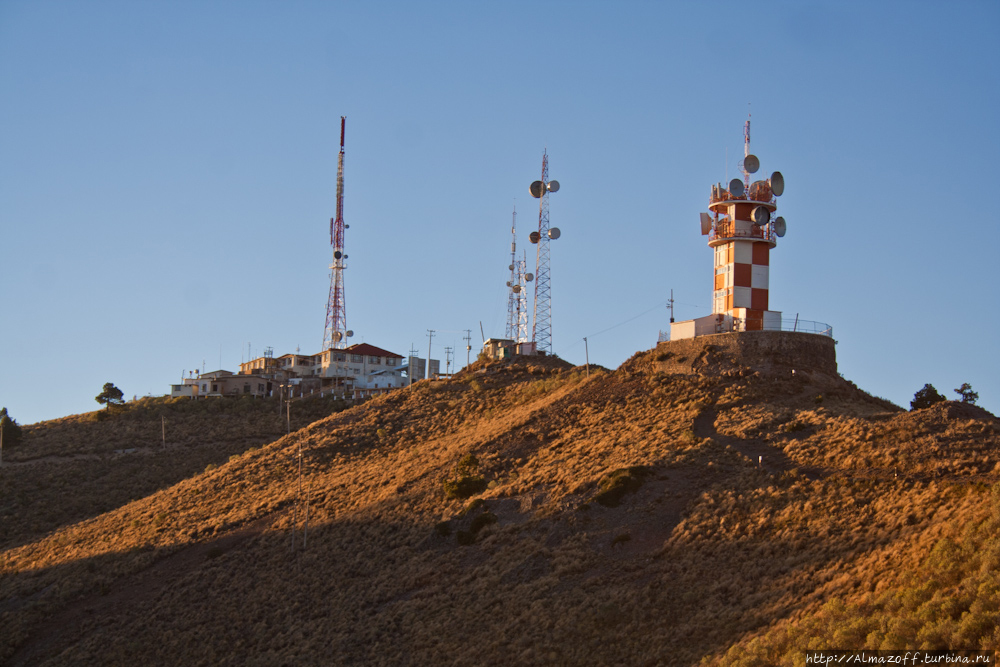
(541, 330)
(512, 296)
(335, 334)
(517, 299)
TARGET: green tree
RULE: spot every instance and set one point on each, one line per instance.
(111, 395)
(926, 397)
(10, 428)
(968, 396)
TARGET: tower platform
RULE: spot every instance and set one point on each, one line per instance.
(768, 352)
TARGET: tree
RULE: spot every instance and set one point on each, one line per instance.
(926, 397)
(968, 396)
(10, 429)
(111, 395)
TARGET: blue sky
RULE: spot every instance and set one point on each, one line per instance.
(168, 173)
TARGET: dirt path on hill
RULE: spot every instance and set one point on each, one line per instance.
(768, 457)
(54, 634)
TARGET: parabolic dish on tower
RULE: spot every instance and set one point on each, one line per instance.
(779, 226)
(554, 233)
(736, 187)
(535, 189)
(761, 215)
(553, 186)
(751, 164)
(777, 182)
(534, 236)
(528, 277)
(349, 333)
(337, 336)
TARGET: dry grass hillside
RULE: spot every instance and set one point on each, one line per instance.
(527, 514)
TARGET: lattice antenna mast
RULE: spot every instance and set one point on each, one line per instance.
(541, 330)
(335, 334)
(513, 298)
(522, 301)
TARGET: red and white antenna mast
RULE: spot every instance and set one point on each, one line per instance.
(541, 330)
(336, 333)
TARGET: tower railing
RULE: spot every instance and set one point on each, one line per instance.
(727, 230)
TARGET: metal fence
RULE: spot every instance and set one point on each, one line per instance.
(739, 324)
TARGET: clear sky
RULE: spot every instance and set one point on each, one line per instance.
(168, 173)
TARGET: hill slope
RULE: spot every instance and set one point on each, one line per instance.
(632, 517)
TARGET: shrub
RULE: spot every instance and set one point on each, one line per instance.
(464, 480)
(10, 428)
(618, 483)
(481, 521)
(966, 393)
(926, 397)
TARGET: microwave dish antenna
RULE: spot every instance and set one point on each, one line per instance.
(777, 182)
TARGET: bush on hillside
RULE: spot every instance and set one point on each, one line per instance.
(926, 397)
(10, 428)
(966, 393)
(464, 480)
(618, 483)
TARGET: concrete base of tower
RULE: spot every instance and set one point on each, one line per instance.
(769, 352)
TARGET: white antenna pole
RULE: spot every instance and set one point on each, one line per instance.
(430, 339)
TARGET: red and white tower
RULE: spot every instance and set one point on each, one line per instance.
(742, 230)
(517, 299)
(336, 332)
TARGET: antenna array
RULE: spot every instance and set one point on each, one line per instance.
(336, 333)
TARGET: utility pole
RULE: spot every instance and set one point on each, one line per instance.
(586, 349)
(447, 360)
(163, 426)
(468, 345)
(430, 339)
(670, 306)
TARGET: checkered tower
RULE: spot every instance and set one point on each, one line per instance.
(742, 231)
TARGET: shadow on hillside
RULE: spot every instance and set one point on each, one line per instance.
(39, 499)
(768, 457)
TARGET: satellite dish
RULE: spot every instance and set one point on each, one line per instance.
(554, 233)
(337, 254)
(528, 277)
(337, 336)
(761, 215)
(508, 283)
(349, 333)
(553, 186)
(534, 236)
(736, 188)
(535, 189)
(510, 268)
(346, 226)
(751, 164)
(517, 289)
(777, 183)
(706, 223)
(779, 226)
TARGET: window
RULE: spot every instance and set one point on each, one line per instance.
(389, 361)
(204, 387)
(357, 371)
(374, 360)
(215, 388)
(357, 358)
(341, 356)
(260, 387)
(246, 387)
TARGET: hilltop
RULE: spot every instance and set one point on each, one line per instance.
(685, 508)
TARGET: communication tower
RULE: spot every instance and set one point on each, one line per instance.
(517, 300)
(541, 330)
(741, 229)
(336, 333)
